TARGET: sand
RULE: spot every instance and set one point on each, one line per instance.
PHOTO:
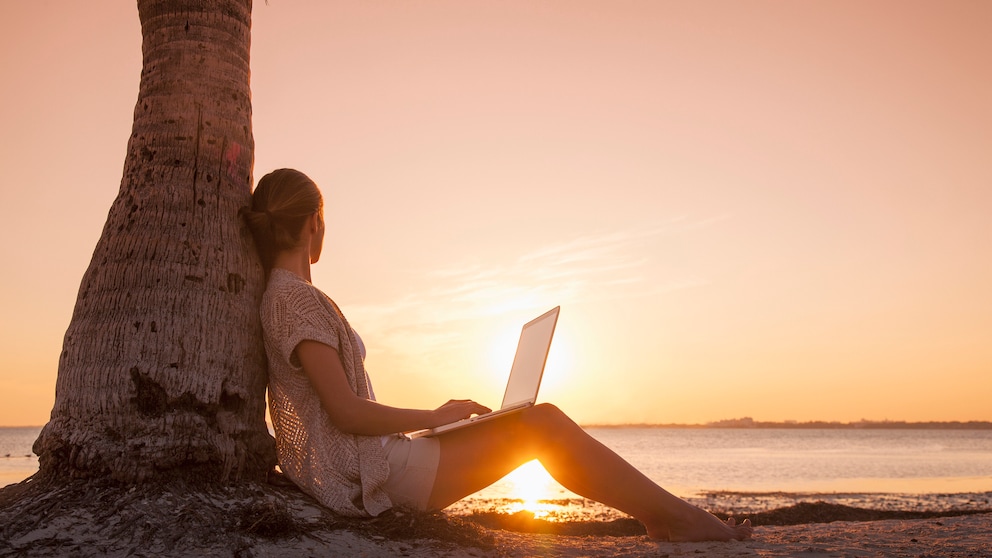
(179, 519)
(955, 537)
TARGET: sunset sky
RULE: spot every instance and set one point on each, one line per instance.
(773, 209)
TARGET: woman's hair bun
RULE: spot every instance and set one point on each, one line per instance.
(281, 203)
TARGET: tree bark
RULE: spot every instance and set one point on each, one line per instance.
(162, 370)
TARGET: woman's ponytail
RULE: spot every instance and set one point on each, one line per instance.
(282, 202)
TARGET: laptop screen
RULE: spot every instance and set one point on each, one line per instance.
(528, 363)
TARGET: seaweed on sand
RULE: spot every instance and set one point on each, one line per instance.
(823, 512)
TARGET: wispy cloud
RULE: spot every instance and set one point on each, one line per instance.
(610, 265)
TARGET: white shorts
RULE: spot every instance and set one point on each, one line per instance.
(412, 470)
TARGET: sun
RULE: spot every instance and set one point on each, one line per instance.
(532, 484)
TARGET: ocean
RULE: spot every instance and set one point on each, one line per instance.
(753, 469)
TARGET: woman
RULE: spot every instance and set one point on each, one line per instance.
(345, 449)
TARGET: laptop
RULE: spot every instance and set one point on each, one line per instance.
(525, 374)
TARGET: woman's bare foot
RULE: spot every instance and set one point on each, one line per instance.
(699, 525)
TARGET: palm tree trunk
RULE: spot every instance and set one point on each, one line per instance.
(162, 370)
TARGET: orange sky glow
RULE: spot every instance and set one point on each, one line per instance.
(772, 209)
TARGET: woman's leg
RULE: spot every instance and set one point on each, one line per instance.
(473, 458)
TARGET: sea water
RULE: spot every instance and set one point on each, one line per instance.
(17, 461)
(693, 462)
(810, 460)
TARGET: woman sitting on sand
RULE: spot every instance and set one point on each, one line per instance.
(348, 451)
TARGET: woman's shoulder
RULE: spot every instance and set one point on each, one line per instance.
(293, 310)
(282, 282)
(286, 290)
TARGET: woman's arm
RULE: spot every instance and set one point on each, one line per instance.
(356, 415)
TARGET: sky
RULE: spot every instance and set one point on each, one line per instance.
(772, 209)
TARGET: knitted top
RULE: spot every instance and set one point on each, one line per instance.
(344, 472)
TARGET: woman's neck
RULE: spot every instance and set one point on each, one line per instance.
(296, 261)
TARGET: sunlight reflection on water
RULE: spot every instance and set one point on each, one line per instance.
(695, 462)
(531, 484)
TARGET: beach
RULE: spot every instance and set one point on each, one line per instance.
(808, 493)
(955, 537)
(812, 525)
(279, 521)
(948, 537)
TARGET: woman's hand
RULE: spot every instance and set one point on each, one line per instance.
(457, 409)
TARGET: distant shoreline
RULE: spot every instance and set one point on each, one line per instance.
(812, 425)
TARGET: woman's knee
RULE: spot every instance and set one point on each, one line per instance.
(546, 416)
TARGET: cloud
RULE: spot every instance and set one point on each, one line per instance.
(610, 265)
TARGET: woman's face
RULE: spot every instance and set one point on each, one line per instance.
(317, 238)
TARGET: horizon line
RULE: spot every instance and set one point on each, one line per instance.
(747, 422)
